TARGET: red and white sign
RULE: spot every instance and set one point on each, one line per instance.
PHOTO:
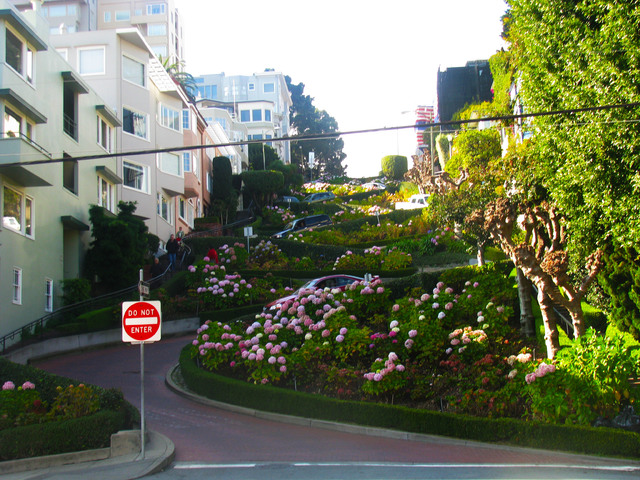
(141, 321)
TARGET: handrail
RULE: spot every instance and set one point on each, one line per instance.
(561, 312)
(39, 324)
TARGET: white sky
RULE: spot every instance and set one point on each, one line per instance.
(363, 61)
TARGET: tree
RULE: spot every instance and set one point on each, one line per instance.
(224, 198)
(394, 166)
(574, 55)
(262, 156)
(263, 186)
(119, 246)
(542, 257)
(306, 119)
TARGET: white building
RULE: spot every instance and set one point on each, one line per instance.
(260, 101)
(51, 116)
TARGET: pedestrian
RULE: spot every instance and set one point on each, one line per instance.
(172, 249)
(213, 255)
(156, 271)
(180, 235)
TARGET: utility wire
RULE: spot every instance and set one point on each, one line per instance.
(321, 136)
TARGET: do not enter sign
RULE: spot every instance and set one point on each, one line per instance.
(141, 321)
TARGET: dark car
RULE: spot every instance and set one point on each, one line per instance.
(301, 224)
(319, 197)
(330, 281)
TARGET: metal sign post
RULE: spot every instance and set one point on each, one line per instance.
(141, 323)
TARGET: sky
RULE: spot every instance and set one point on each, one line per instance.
(367, 63)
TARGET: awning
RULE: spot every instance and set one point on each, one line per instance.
(72, 223)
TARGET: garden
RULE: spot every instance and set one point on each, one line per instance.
(452, 343)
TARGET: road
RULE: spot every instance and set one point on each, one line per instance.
(215, 443)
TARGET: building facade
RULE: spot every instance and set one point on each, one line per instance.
(460, 86)
(158, 20)
(50, 118)
(260, 101)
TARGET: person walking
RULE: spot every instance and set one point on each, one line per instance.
(172, 250)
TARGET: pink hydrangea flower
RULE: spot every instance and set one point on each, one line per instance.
(8, 385)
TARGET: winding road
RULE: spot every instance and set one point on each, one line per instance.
(207, 435)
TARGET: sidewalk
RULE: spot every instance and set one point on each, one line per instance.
(120, 462)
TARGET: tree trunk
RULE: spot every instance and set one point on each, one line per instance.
(480, 254)
(577, 318)
(550, 327)
(527, 323)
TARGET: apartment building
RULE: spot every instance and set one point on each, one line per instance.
(260, 101)
(221, 118)
(50, 118)
(158, 20)
(120, 65)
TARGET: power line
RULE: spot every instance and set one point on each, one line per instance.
(322, 136)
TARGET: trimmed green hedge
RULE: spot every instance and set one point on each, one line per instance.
(62, 436)
(588, 440)
(85, 433)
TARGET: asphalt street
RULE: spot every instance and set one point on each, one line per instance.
(212, 442)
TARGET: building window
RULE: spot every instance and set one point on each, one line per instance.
(19, 56)
(257, 115)
(12, 123)
(209, 182)
(48, 295)
(182, 208)
(164, 208)
(195, 165)
(57, 11)
(106, 194)
(18, 212)
(252, 87)
(169, 118)
(208, 91)
(170, 163)
(245, 116)
(186, 119)
(17, 286)
(156, 29)
(70, 175)
(135, 176)
(155, 9)
(269, 87)
(105, 134)
(186, 161)
(70, 111)
(133, 71)
(267, 115)
(107, 17)
(91, 61)
(134, 123)
(123, 16)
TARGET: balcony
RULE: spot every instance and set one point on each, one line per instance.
(17, 149)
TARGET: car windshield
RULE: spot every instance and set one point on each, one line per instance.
(288, 226)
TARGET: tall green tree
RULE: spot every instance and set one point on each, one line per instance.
(577, 54)
(581, 54)
(119, 247)
(306, 119)
(224, 198)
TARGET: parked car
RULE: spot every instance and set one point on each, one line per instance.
(419, 200)
(288, 200)
(319, 197)
(374, 186)
(301, 224)
(330, 281)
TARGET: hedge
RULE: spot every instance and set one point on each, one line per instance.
(62, 436)
(84, 433)
(569, 438)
